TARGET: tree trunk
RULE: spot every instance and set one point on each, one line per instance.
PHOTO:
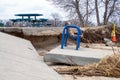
(97, 12)
(76, 3)
(87, 11)
(106, 12)
(111, 10)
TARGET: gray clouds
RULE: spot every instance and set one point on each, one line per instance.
(10, 7)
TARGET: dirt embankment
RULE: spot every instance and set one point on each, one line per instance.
(45, 36)
(41, 37)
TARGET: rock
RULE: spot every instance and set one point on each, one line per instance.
(108, 42)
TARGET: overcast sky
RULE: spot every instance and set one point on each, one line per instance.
(8, 8)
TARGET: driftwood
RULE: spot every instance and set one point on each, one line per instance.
(108, 66)
(97, 35)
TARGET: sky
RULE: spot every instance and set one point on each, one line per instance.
(8, 8)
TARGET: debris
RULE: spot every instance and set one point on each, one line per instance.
(97, 34)
(108, 66)
(108, 42)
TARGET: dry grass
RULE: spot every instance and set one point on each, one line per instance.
(108, 66)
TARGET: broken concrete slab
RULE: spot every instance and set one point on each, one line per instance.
(20, 61)
(69, 55)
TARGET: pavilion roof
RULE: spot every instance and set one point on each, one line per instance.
(28, 14)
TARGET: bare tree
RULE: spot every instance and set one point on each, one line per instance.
(116, 16)
(89, 10)
(56, 18)
(109, 10)
(72, 6)
(83, 10)
(76, 4)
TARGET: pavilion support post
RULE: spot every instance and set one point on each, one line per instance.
(22, 17)
(28, 18)
(35, 18)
